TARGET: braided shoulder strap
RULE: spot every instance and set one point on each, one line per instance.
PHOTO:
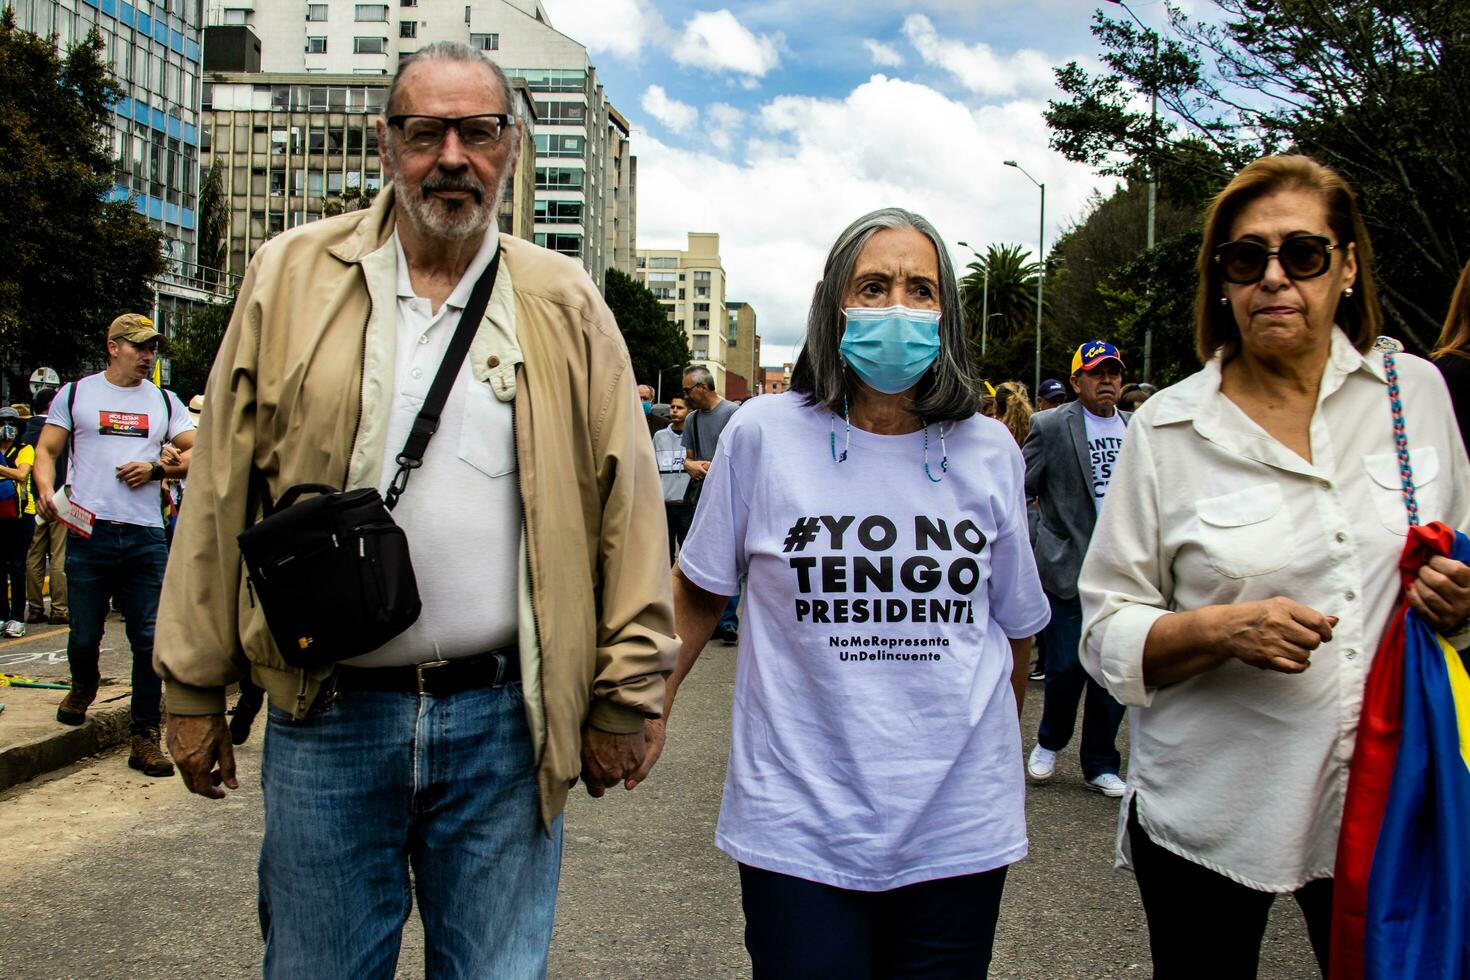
(1400, 439)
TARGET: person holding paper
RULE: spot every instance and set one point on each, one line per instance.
(668, 447)
(118, 423)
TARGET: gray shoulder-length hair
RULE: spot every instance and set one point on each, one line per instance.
(949, 391)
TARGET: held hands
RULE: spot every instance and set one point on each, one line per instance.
(607, 759)
(170, 456)
(1441, 593)
(1273, 634)
(201, 748)
(655, 731)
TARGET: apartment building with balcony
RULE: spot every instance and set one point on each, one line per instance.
(742, 351)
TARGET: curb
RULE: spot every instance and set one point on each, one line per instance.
(106, 727)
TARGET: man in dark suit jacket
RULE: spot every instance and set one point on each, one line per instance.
(1070, 453)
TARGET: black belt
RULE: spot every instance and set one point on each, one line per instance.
(438, 677)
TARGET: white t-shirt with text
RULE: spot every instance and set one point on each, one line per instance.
(875, 741)
(1104, 442)
(112, 425)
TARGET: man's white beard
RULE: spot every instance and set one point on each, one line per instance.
(434, 218)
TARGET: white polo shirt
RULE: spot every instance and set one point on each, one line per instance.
(462, 508)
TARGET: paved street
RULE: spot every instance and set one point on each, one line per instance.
(108, 874)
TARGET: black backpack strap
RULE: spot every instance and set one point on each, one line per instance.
(427, 422)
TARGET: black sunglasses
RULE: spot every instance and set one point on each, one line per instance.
(1301, 257)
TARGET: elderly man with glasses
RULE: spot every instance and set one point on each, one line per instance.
(546, 631)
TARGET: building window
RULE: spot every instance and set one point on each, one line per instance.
(369, 45)
(701, 292)
(565, 244)
(663, 262)
(408, 3)
(559, 212)
(701, 307)
(316, 11)
(560, 145)
(371, 12)
(573, 113)
(701, 279)
(234, 15)
(467, 15)
(316, 45)
(484, 42)
(408, 28)
(551, 178)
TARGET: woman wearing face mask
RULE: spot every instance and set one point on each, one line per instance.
(874, 793)
(17, 521)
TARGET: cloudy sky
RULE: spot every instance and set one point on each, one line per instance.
(777, 123)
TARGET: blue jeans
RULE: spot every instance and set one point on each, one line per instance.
(377, 782)
(15, 544)
(730, 617)
(1065, 682)
(122, 561)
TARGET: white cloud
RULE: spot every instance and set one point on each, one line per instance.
(716, 41)
(978, 67)
(677, 116)
(883, 54)
(723, 123)
(618, 27)
(813, 165)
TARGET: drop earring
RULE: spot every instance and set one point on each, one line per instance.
(1347, 293)
(1224, 300)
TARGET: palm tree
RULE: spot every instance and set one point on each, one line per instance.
(1010, 306)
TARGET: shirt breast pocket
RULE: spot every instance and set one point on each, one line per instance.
(486, 439)
(1387, 487)
(1247, 532)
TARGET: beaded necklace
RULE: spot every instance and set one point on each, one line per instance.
(847, 443)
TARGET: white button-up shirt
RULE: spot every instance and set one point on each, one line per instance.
(462, 509)
(1239, 769)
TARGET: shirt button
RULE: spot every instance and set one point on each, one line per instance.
(1341, 536)
(1351, 595)
(494, 362)
(423, 338)
(419, 374)
(1350, 654)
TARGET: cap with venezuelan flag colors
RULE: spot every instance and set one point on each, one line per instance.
(1093, 353)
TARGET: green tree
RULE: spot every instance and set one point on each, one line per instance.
(70, 260)
(653, 342)
(193, 345)
(1010, 338)
(1374, 88)
(214, 217)
(352, 199)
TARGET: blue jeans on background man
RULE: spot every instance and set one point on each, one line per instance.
(15, 544)
(125, 562)
(1066, 680)
(377, 781)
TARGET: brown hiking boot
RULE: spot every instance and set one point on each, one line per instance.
(73, 707)
(148, 756)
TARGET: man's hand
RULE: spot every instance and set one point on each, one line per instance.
(136, 473)
(1441, 593)
(170, 456)
(197, 743)
(697, 469)
(46, 505)
(655, 731)
(1272, 634)
(607, 759)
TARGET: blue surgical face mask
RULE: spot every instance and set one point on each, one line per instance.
(648, 408)
(8, 431)
(890, 348)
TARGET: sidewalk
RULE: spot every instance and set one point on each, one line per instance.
(32, 741)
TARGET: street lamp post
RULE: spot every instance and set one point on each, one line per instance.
(1041, 271)
(984, 296)
(661, 379)
(1153, 179)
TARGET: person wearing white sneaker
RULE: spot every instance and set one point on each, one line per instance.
(14, 628)
(1108, 784)
(17, 521)
(1069, 461)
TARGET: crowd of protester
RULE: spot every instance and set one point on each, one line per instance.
(886, 543)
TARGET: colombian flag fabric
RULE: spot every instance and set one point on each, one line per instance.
(1401, 893)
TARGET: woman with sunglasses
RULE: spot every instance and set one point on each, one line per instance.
(1245, 568)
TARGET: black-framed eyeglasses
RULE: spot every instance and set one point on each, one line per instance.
(476, 132)
(699, 384)
(1301, 257)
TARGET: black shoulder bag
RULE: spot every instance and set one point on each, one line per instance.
(332, 572)
(694, 487)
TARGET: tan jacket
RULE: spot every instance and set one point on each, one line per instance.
(300, 390)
